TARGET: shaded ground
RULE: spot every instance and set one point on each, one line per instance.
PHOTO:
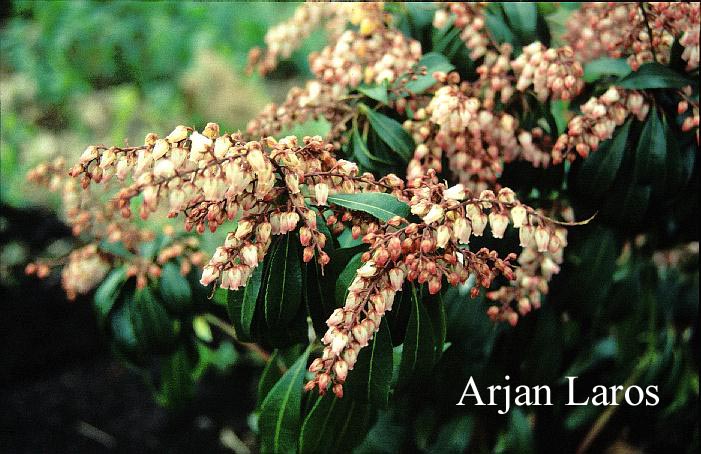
(62, 391)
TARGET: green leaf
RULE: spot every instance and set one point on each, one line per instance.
(283, 294)
(346, 278)
(280, 413)
(367, 160)
(454, 436)
(271, 374)
(334, 425)
(523, 18)
(174, 288)
(177, 384)
(606, 66)
(376, 92)
(371, 377)
(600, 168)
(108, 292)
(651, 152)
(379, 204)
(242, 304)
(653, 75)
(152, 326)
(419, 344)
(391, 132)
(496, 24)
(433, 62)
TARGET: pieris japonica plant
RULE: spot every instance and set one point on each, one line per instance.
(468, 146)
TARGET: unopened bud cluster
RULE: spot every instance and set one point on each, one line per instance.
(470, 19)
(429, 253)
(599, 119)
(641, 31)
(553, 73)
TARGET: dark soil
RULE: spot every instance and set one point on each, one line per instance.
(61, 390)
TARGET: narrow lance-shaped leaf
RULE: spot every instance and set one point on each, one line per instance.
(108, 292)
(372, 375)
(174, 288)
(242, 304)
(283, 294)
(281, 411)
(523, 18)
(379, 204)
(390, 132)
(419, 344)
(599, 170)
(651, 152)
(334, 425)
(653, 75)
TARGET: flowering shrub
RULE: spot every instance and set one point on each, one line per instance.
(464, 147)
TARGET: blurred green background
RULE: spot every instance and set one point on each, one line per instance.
(74, 73)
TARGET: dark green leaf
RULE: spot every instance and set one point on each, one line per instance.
(433, 62)
(523, 17)
(653, 75)
(496, 24)
(152, 326)
(376, 92)
(174, 288)
(346, 278)
(177, 385)
(370, 379)
(280, 413)
(381, 205)
(606, 66)
(651, 152)
(283, 294)
(419, 344)
(242, 304)
(600, 168)
(108, 292)
(271, 374)
(454, 436)
(391, 132)
(333, 425)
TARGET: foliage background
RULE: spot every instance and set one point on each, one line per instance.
(74, 73)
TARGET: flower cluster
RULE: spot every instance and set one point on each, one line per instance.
(212, 179)
(538, 262)
(353, 58)
(469, 18)
(553, 73)
(600, 117)
(428, 253)
(286, 37)
(476, 140)
(643, 31)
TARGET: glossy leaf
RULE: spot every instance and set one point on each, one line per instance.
(523, 18)
(653, 75)
(370, 379)
(152, 326)
(381, 205)
(242, 304)
(272, 372)
(283, 294)
(377, 92)
(651, 152)
(334, 425)
(433, 62)
(419, 344)
(280, 413)
(346, 278)
(108, 292)
(600, 168)
(391, 132)
(174, 288)
(606, 66)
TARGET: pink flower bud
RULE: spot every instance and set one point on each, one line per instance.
(341, 370)
(209, 275)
